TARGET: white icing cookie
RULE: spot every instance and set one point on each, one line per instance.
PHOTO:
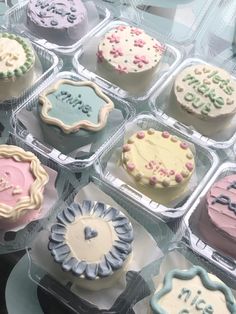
(159, 162)
(207, 95)
(127, 51)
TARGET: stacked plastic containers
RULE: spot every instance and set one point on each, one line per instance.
(94, 172)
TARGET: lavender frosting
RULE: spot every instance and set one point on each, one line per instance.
(59, 21)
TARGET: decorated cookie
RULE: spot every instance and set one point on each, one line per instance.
(61, 22)
(129, 52)
(216, 225)
(207, 94)
(92, 242)
(22, 181)
(72, 106)
(193, 291)
(17, 61)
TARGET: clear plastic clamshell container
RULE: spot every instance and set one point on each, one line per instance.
(125, 292)
(192, 234)
(111, 172)
(179, 21)
(27, 126)
(161, 105)
(58, 187)
(98, 15)
(85, 63)
(217, 42)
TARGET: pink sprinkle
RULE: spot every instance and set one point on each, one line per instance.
(136, 31)
(183, 145)
(178, 178)
(189, 166)
(140, 135)
(114, 39)
(126, 148)
(153, 180)
(139, 43)
(165, 134)
(116, 52)
(159, 47)
(130, 166)
(121, 27)
(121, 69)
(100, 56)
(172, 172)
(140, 61)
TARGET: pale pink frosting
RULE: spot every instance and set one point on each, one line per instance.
(220, 215)
(16, 179)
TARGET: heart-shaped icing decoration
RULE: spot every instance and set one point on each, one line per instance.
(207, 82)
(205, 70)
(229, 101)
(196, 71)
(90, 233)
(179, 89)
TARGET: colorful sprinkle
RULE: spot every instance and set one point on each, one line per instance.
(126, 148)
(184, 145)
(165, 134)
(178, 178)
(140, 135)
(189, 166)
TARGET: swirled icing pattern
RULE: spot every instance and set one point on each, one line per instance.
(72, 105)
(22, 180)
(92, 240)
(193, 291)
(158, 159)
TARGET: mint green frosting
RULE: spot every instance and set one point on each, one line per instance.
(73, 103)
(188, 275)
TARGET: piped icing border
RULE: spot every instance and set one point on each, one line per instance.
(30, 57)
(112, 261)
(85, 124)
(188, 275)
(160, 175)
(34, 201)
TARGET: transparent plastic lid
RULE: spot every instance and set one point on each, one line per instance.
(193, 223)
(162, 104)
(177, 20)
(108, 168)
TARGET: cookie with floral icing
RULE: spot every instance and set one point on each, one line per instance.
(127, 53)
(159, 162)
(206, 97)
(92, 242)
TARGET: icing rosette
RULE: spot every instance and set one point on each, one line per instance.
(193, 291)
(22, 181)
(92, 240)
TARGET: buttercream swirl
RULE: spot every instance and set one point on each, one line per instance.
(92, 265)
(35, 198)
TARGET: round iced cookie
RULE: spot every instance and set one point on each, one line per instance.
(204, 96)
(160, 163)
(192, 291)
(72, 113)
(128, 56)
(61, 22)
(218, 220)
(22, 181)
(93, 243)
(17, 60)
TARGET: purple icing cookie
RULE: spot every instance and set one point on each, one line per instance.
(61, 22)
